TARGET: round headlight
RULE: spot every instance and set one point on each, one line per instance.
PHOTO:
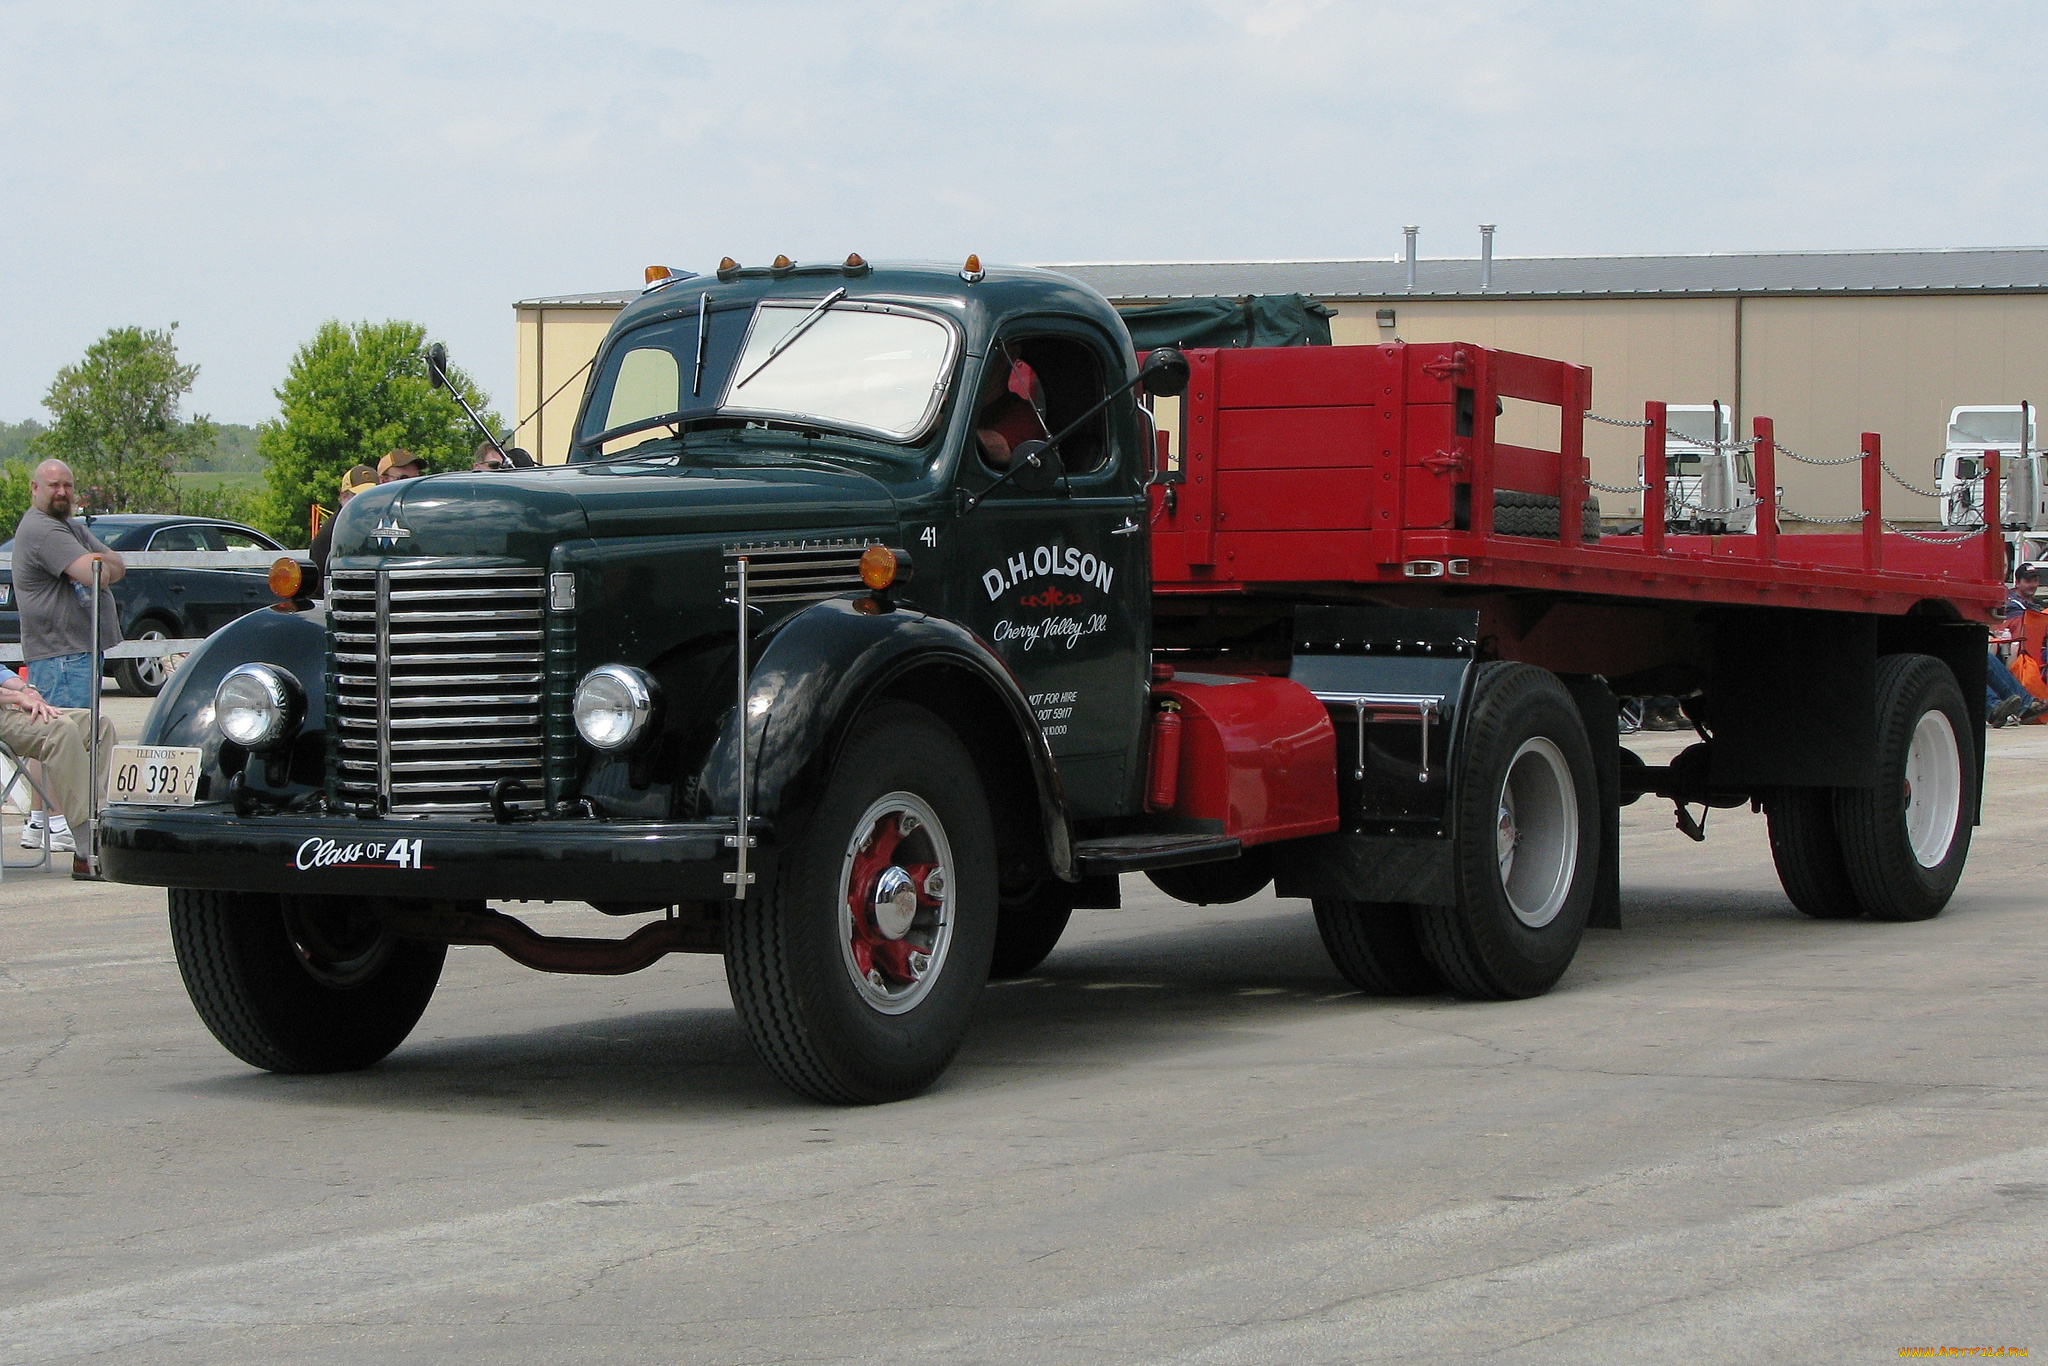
(256, 705)
(613, 705)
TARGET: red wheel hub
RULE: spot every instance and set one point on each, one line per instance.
(875, 951)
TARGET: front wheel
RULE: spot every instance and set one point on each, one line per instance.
(857, 968)
(1528, 840)
(300, 984)
(1905, 840)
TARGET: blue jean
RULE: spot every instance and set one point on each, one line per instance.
(63, 680)
(1999, 683)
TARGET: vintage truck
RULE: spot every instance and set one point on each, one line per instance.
(869, 632)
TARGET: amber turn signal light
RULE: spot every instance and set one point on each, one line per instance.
(658, 274)
(972, 271)
(287, 577)
(881, 567)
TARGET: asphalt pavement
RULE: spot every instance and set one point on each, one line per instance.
(1730, 1134)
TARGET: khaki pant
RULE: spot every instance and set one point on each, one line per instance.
(60, 745)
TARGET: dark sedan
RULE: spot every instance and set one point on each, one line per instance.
(165, 604)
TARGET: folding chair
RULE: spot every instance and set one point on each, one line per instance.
(14, 775)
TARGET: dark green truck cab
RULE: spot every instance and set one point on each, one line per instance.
(535, 685)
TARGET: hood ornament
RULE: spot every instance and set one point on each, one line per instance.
(389, 531)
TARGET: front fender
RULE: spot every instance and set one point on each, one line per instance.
(818, 674)
(183, 714)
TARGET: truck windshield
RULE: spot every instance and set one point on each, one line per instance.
(1690, 426)
(880, 371)
(1985, 429)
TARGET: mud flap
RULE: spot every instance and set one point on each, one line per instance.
(1601, 715)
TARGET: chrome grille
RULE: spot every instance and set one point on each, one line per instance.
(806, 572)
(437, 686)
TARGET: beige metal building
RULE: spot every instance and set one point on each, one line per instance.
(1829, 344)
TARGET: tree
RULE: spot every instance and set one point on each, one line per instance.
(116, 421)
(353, 394)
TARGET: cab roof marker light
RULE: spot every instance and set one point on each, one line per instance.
(657, 276)
(855, 265)
(727, 268)
(972, 272)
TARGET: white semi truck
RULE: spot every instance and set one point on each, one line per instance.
(2010, 430)
(1709, 488)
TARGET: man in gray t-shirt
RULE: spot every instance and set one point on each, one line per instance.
(53, 557)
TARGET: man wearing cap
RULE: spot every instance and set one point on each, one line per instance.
(2026, 581)
(397, 465)
(354, 482)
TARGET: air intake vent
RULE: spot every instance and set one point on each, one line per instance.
(437, 686)
(806, 572)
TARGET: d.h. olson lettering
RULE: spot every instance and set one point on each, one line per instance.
(1047, 561)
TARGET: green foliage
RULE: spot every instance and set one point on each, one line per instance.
(116, 421)
(15, 438)
(235, 501)
(354, 393)
(233, 449)
(13, 495)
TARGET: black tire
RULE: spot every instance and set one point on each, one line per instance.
(1029, 923)
(1535, 514)
(1878, 825)
(145, 677)
(1484, 947)
(1375, 947)
(1217, 884)
(1809, 854)
(787, 956)
(323, 988)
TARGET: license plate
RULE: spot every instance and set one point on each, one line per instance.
(153, 775)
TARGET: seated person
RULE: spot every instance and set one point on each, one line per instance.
(2006, 703)
(34, 729)
(1012, 411)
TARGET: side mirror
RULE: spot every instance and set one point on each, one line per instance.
(437, 366)
(1165, 372)
(1036, 467)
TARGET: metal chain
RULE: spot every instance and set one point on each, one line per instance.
(1618, 488)
(1956, 539)
(1818, 521)
(1682, 501)
(1591, 416)
(1901, 481)
(1807, 460)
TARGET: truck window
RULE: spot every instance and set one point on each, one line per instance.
(1032, 387)
(649, 383)
(868, 369)
(1985, 429)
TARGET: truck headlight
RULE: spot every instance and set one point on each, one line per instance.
(614, 704)
(257, 705)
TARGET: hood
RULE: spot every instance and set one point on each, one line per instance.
(524, 514)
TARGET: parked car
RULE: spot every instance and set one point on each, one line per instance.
(164, 604)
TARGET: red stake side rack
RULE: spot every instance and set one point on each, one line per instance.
(1378, 465)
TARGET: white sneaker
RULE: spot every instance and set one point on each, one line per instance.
(32, 832)
(60, 842)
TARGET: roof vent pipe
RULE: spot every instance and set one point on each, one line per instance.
(1485, 257)
(1409, 232)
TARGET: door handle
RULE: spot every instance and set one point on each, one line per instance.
(1131, 527)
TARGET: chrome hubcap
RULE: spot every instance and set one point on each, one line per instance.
(895, 921)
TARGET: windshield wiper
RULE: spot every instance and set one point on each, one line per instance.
(628, 428)
(703, 343)
(803, 325)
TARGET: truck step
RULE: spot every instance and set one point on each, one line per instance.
(1135, 853)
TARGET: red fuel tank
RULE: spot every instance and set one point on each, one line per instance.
(1257, 754)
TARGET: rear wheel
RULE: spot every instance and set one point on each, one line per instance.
(1528, 843)
(300, 984)
(1809, 853)
(1375, 946)
(1029, 923)
(146, 677)
(1906, 839)
(857, 968)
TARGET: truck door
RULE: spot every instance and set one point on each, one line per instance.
(1058, 580)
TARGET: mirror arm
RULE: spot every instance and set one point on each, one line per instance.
(440, 373)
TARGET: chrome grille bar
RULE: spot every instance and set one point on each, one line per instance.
(437, 686)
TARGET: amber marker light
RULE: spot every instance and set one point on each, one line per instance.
(881, 567)
(853, 262)
(658, 275)
(972, 271)
(287, 576)
(782, 263)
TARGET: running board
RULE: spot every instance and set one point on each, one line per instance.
(1136, 853)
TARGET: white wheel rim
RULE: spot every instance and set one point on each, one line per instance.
(1934, 789)
(154, 670)
(893, 967)
(1536, 835)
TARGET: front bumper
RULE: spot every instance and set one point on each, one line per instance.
(211, 848)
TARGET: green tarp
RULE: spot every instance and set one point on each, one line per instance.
(1255, 320)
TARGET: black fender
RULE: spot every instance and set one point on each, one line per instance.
(183, 713)
(819, 672)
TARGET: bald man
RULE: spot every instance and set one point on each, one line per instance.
(53, 561)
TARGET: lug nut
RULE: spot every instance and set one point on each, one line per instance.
(920, 963)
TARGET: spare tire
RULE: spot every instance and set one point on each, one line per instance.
(1535, 514)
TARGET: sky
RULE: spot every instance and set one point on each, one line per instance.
(250, 170)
